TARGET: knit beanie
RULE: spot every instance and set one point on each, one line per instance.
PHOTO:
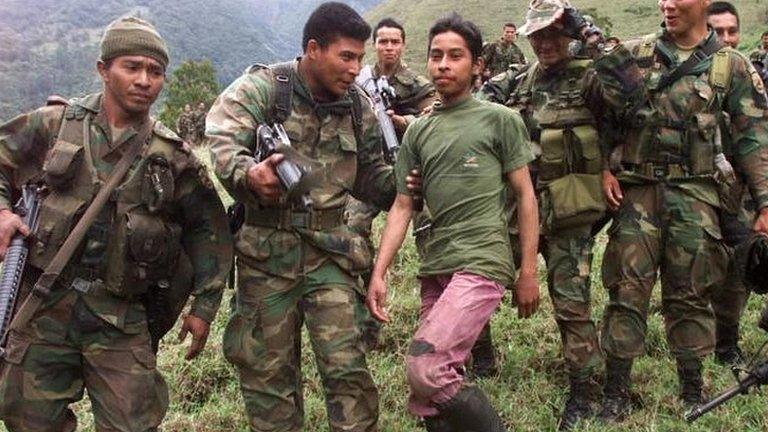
(133, 36)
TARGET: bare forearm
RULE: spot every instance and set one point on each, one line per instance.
(528, 226)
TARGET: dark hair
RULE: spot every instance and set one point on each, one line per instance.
(509, 24)
(765, 33)
(721, 7)
(388, 22)
(466, 29)
(333, 20)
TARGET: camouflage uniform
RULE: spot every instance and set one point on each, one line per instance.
(669, 219)
(92, 331)
(297, 267)
(197, 126)
(499, 55)
(185, 127)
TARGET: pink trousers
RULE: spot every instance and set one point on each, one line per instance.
(454, 310)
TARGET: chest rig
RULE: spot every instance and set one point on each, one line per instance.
(132, 244)
(559, 120)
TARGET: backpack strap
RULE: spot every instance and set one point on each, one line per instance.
(357, 114)
(646, 51)
(282, 102)
(720, 71)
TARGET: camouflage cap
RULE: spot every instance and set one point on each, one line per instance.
(542, 14)
(133, 36)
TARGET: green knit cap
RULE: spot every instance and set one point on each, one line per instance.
(133, 36)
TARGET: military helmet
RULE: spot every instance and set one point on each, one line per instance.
(542, 14)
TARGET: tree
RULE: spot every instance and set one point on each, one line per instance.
(191, 83)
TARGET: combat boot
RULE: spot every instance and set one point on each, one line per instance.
(689, 374)
(438, 423)
(727, 351)
(483, 355)
(577, 407)
(616, 401)
(471, 411)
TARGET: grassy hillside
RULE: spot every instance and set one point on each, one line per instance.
(629, 18)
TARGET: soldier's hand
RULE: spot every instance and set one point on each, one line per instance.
(612, 190)
(573, 22)
(263, 180)
(377, 298)
(414, 182)
(527, 295)
(761, 224)
(199, 329)
(399, 122)
(10, 224)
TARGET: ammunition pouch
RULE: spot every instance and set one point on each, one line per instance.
(286, 218)
(572, 149)
(575, 200)
(59, 212)
(701, 144)
(62, 164)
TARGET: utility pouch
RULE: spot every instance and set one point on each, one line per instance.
(576, 200)
(701, 138)
(157, 188)
(59, 212)
(62, 163)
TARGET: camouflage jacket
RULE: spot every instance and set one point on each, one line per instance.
(26, 144)
(758, 55)
(499, 55)
(413, 92)
(322, 133)
(678, 125)
(185, 125)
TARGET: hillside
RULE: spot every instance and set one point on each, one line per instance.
(629, 18)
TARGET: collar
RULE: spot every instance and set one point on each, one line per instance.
(341, 106)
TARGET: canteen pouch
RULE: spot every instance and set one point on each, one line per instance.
(576, 200)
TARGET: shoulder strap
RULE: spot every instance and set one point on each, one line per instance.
(42, 289)
(700, 55)
(357, 114)
(646, 51)
(720, 73)
(282, 105)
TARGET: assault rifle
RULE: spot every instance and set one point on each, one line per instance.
(28, 207)
(289, 172)
(382, 95)
(756, 376)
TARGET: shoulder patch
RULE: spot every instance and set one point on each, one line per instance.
(56, 100)
(163, 132)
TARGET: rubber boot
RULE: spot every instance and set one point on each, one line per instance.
(727, 351)
(616, 401)
(471, 411)
(483, 355)
(689, 374)
(577, 407)
(438, 423)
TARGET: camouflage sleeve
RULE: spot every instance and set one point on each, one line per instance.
(375, 181)
(620, 81)
(424, 96)
(488, 53)
(205, 237)
(24, 142)
(746, 104)
(499, 88)
(231, 130)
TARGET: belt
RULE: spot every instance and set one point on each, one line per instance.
(657, 170)
(284, 218)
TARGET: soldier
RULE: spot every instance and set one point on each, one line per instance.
(198, 123)
(499, 55)
(672, 179)
(565, 108)
(185, 124)
(724, 19)
(91, 331)
(299, 265)
(759, 54)
(468, 150)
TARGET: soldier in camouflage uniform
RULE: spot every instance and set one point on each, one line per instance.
(673, 174)
(565, 108)
(198, 123)
(301, 265)
(185, 124)
(91, 331)
(500, 54)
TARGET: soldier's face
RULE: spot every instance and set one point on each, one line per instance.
(132, 82)
(334, 67)
(451, 65)
(765, 41)
(550, 46)
(683, 16)
(727, 27)
(389, 45)
(510, 34)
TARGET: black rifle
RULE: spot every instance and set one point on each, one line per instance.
(289, 172)
(756, 376)
(381, 94)
(28, 207)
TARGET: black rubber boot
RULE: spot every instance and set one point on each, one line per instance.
(689, 374)
(438, 423)
(483, 355)
(577, 407)
(471, 411)
(616, 401)
(727, 351)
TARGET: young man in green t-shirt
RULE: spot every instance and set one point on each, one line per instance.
(467, 150)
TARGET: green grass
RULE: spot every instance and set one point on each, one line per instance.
(529, 391)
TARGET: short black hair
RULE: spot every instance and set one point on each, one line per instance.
(510, 24)
(333, 20)
(464, 28)
(721, 7)
(389, 22)
(765, 33)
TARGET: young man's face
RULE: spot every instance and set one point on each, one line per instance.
(550, 46)
(510, 34)
(683, 16)
(451, 66)
(133, 82)
(335, 67)
(765, 41)
(727, 27)
(389, 45)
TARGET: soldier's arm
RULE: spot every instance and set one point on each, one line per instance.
(425, 95)
(375, 180)
(231, 131)
(499, 88)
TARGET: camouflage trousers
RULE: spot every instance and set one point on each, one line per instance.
(662, 228)
(263, 341)
(68, 349)
(568, 253)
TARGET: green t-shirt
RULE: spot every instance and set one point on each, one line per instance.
(464, 152)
